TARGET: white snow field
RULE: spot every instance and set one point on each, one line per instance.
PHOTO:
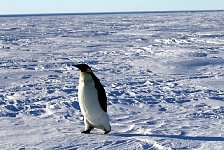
(163, 74)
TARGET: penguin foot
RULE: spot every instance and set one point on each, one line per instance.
(86, 132)
(106, 132)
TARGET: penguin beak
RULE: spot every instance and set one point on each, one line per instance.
(83, 67)
(78, 66)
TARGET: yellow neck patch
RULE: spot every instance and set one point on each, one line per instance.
(84, 73)
(88, 70)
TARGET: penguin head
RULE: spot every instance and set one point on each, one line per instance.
(83, 68)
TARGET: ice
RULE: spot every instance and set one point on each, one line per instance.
(162, 72)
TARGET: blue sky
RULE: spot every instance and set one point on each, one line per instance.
(77, 6)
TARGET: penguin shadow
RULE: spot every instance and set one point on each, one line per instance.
(180, 137)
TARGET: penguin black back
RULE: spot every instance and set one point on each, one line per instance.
(101, 92)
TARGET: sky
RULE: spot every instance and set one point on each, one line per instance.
(87, 6)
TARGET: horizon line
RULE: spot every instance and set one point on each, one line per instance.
(105, 13)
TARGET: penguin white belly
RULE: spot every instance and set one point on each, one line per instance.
(89, 104)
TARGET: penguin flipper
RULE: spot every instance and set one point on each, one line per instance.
(101, 93)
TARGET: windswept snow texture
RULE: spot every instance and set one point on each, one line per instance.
(163, 74)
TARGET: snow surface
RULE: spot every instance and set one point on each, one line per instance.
(163, 74)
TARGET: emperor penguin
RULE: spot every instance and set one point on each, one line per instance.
(92, 101)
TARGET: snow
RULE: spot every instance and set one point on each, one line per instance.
(163, 74)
